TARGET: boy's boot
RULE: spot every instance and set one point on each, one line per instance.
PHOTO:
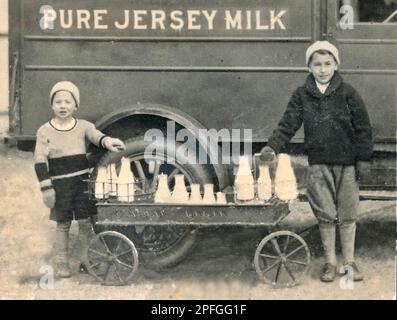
(327, 232)
(85, 231)
(61, 248)
(347, 233)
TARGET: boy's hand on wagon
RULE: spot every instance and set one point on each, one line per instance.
(268, 154)
(49, 197)
(113, 144)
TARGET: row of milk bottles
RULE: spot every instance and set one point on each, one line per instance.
(180, 194)
(285, 186)
(122, 186)
(108, 183)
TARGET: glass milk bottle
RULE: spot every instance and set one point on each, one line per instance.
(209, 197)
(220, 198)
(195, 194)
(125, 183)
(101, 184)
(163, 193)
(285, 185)
(180, 194)
(244, 182)
(112, 179)
(264, 184)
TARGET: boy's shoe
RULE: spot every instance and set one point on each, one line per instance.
(63, 270)
(328, 273)
(352, 267)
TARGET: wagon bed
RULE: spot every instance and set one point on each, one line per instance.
(281, 258)
(266, 215)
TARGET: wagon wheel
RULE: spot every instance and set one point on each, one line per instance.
(159, 246)
(152, 239)
(282, 258)
(112, 258)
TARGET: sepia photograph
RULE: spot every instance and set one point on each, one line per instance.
(198, 150)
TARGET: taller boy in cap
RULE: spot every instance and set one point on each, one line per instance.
(338, 141)
(61, 166)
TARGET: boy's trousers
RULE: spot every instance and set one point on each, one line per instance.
(333, 194)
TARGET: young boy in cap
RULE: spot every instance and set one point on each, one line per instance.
(61, 166)
(338, 141)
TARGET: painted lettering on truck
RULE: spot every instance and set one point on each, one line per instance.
(103, 19)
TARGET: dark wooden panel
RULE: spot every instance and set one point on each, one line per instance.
(241, 100)
(379, 94)
(246, 100)
(267, 54)
(368, 56)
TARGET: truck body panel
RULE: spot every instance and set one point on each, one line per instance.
(226, 63)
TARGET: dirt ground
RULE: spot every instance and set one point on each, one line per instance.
(220, 267)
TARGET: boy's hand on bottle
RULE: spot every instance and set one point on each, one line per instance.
(268, 154)
(362, 168)
(49, 197)
(113, 144)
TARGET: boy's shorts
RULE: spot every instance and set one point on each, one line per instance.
(72, 200)
(333, 193)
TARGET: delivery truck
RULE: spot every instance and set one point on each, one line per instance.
(218, 65)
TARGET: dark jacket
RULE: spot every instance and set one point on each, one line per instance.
(336, 123)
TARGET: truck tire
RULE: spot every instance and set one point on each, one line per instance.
(179, 239)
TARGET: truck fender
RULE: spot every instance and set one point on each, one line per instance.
(172, 114)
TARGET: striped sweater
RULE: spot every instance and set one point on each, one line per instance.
(62, 153)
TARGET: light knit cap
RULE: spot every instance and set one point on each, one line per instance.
(66, 86)
(322, 45)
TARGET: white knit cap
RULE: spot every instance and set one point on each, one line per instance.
(66, 86)
(322, 45)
